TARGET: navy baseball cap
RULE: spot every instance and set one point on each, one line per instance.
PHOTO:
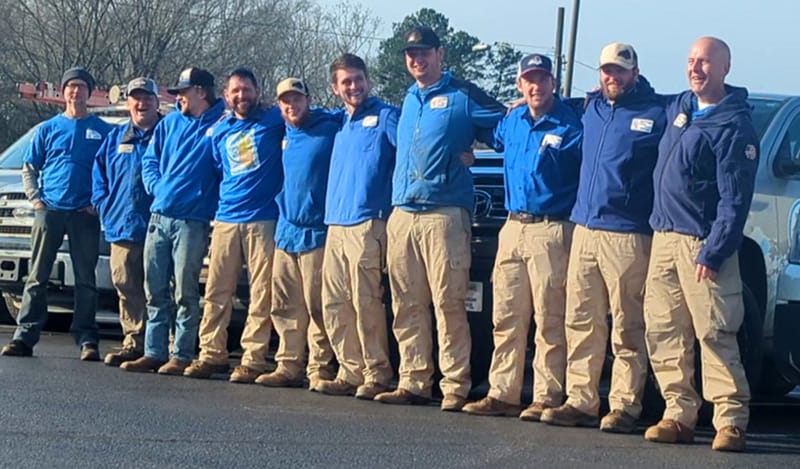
(422, 37)
(192, 77)
(533, 62)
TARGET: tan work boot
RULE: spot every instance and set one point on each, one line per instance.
(729, 438)
(533, 413)
(401, 397)
(336, 387)
(203, 370)
(669, 431)
(453, 403)
(244, 374)
(368, 391)
(174, 367)
(143, 365)
(280, 379)
(124, 355)
(568, 416)
(489, 406)
(618, 421)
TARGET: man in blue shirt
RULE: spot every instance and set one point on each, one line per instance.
(247, 155)
(428, 233)
(57, 177)
(704, 183)
(118, 195)
(178, 171)
(300, 241)
(542, 144)
(357, 205)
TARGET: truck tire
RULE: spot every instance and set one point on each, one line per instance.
(772, 384)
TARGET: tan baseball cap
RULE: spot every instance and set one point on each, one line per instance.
(291, 84)
(618, 53)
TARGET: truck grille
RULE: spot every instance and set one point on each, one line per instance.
(489, 197)
(16, 230)
(13, 196)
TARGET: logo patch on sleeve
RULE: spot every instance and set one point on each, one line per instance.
(751, 152)
(439, 102)
(680, 120)
(370, 121)
(642, 125)
(284, 144)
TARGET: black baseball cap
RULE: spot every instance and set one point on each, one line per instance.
(422, 37)
(192, 77)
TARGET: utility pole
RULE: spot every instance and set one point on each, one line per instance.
(576, 4)
(557, 63)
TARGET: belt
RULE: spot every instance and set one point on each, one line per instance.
(524, 217)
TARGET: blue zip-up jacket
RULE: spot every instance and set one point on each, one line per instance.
(706, 171)
(541, 160)
(306, 159)
(62, 151)
(178, 166)
(362, 162)
(117, 189)
(620, 148)
(436, 125)
(247, 154)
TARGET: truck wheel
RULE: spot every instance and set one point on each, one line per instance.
(12, 304)
(772, 383)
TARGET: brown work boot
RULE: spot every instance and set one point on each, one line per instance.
(453, 403)
(491, 407)
(533, 413)
(618, 421)
(336, 387)
(144, 364)
(401, 397)
(729, 438)
(669, 431)
(201, 369)
(17, 348)
(368, 391)
(174, 367)
(280, 379)
(244, 374)
(124, 355)
(89, 353)
(568, 416)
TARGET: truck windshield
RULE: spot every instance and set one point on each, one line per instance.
(11, 158)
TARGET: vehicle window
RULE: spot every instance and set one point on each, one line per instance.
(11, 158)
(787, 161)
(763, 112)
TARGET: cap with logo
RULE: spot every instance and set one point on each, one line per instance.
(78, 73)
(291, 84)
(533, 62)
(618, 53)
(192, 77)
(142, 84)
(421, 37)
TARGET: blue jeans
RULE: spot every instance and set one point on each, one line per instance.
(173, 250)
(47, 234)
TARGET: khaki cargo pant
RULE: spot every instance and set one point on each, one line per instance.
(428, 257)
(530, 275)
(127, 276)
(297, 315)
(607, 272)
(679, 309)
(232, 243)
(354, 314)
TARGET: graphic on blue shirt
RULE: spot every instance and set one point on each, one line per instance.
(242, 152)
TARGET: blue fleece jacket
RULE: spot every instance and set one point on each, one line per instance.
(306, 159)
(620, 148)
(247, 153)
(360, 181)
(706, 170)
(63, 151)
(541, 160)
(117, 189)
(178, 166)
(437, 124)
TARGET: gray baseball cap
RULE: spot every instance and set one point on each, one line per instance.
(143, 84)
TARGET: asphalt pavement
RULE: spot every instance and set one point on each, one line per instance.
(57, 411)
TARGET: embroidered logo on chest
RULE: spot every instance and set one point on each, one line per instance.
(370, 121)
(439, 102)
(642, 125)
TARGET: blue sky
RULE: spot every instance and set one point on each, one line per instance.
(761, 33)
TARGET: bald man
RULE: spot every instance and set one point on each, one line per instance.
(703, 185)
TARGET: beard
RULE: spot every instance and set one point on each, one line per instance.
(245, 108)
(618, 92)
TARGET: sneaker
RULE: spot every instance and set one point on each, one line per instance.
(618, 421)
(568, 416)
(401, 397)
(489, 406)
(368, 391)
(336, 387)
(453, 403)
(124, 355)
(17, 348)
(729, 438)
(669, 431)
(89, 353)
(143, 365)
(174, 367)
(533, 413)
(244, 374)
(279, 379)
(201, 369)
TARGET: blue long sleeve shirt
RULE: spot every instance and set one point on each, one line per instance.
(362, 162)
(247, 154)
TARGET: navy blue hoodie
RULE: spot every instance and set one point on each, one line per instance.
(706, 171)
(620, 148)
